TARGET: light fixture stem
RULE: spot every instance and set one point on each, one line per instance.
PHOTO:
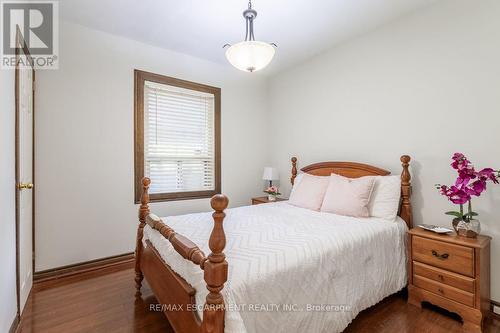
(247, 28)
(249, 15)
(250, 20)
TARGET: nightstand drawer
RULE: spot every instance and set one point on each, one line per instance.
(452, 257)
(442, 276)
(444, 290)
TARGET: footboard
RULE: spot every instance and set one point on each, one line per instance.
(171, 290)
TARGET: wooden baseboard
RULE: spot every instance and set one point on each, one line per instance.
(83, 270)
(15, 324)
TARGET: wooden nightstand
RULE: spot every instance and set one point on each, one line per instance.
(451, 272)
(261, 200)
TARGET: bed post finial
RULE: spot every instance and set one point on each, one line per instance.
(216, 270)
(406, 209)
(143, 213)
(294, 170)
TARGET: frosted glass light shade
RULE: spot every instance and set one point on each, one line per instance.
(250, 56)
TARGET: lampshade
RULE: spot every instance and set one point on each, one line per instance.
(270, 174)
(250, 56)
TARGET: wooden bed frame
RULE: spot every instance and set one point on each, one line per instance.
(177, 295)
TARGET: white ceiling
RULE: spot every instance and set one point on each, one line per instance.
(300, 28)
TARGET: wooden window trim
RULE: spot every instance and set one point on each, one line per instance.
(139, 78)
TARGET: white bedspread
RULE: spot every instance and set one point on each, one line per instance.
(285, 262)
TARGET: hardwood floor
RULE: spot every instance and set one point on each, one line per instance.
(394, 314)
(98, 304)
(107, 304)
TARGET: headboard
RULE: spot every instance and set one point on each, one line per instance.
(356, 170)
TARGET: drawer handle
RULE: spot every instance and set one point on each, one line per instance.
(440, 256)
(441, 291)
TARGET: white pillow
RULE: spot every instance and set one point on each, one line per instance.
(384, 202)
(348, 196)
(309, 192)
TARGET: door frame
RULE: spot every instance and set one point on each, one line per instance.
(21, 44)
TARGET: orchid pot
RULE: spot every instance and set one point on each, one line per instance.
(470, 229)
(466, 225)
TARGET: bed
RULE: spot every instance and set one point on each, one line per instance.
(291, 269)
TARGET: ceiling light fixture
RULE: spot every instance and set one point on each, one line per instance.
(250, 55)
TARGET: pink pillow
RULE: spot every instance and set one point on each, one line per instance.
(348, 196)
(309, 192)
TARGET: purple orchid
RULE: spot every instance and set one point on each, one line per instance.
(469, 183)
(455, 194)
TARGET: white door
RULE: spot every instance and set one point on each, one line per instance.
(24, 151)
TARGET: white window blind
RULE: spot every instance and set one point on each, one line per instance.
(179, 142)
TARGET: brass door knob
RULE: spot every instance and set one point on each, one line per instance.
(25, 186)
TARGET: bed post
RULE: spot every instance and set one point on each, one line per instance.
(294, 170)
(143, 212)
(406, 210)
(215, 270)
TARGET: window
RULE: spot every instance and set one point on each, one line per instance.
(177, 137)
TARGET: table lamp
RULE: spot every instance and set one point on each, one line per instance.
(270, 174)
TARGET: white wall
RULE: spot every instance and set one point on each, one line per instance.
(85, 144)
(427, 85)
(8, 302)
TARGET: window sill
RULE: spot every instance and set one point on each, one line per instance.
(163, 197)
